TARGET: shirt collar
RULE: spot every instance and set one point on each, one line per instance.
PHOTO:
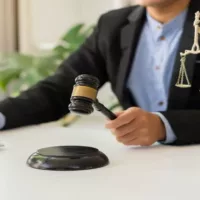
(158, 29)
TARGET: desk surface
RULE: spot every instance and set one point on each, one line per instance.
(157, 172)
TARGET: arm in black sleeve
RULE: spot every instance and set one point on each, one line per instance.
(49, 99)
(185, 124)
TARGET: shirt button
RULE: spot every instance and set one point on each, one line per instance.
(162, 38)
(161, 103)
(157, 67)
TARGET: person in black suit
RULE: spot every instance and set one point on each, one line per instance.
(109, 54)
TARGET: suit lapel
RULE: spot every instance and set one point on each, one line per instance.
(178, 97)
(128, 42)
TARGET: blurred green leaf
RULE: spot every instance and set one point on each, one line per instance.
(26, 70)
(7, 75)
(18, 60)
(73, 33)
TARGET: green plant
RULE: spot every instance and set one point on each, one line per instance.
(19, 71)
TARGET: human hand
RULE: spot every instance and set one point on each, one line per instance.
(137, 127)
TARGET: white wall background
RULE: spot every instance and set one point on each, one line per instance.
(42, 22)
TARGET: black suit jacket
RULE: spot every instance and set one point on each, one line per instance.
(107, 54)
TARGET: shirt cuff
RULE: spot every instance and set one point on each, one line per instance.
(170, 135)
(2, 120)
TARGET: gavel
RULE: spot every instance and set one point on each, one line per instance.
(84, 96)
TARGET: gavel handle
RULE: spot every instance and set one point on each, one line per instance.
(100, 107)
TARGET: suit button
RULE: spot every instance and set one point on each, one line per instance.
(161, 103)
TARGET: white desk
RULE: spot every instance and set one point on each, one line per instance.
(155, 173)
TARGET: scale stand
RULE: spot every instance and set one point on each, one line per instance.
(195, 50)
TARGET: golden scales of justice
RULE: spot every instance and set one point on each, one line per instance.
(195, 50)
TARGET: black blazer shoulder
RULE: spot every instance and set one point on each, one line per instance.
(114, 20)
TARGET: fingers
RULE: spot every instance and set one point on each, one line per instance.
(127, 128)
(141, 141)
(134, 142)
(124, 118)
(132, 127)
(126, 138)
(119, 113)
(132, 138)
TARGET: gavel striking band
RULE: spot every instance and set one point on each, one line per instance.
(84, 95)
(85, 91)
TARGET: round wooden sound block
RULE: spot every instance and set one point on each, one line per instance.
(67, 158)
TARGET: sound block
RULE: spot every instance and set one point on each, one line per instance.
(67, 158)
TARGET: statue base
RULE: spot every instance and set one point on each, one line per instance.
(183, 85)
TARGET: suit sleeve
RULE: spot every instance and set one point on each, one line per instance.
(170, 135)
(49, 99)
(185, 124)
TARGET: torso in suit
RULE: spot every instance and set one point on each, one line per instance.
(107, 54)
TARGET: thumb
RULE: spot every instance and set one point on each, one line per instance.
(119, 113)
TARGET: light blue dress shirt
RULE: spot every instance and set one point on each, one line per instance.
(150, 77)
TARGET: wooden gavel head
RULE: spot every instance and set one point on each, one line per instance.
(84, 94)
